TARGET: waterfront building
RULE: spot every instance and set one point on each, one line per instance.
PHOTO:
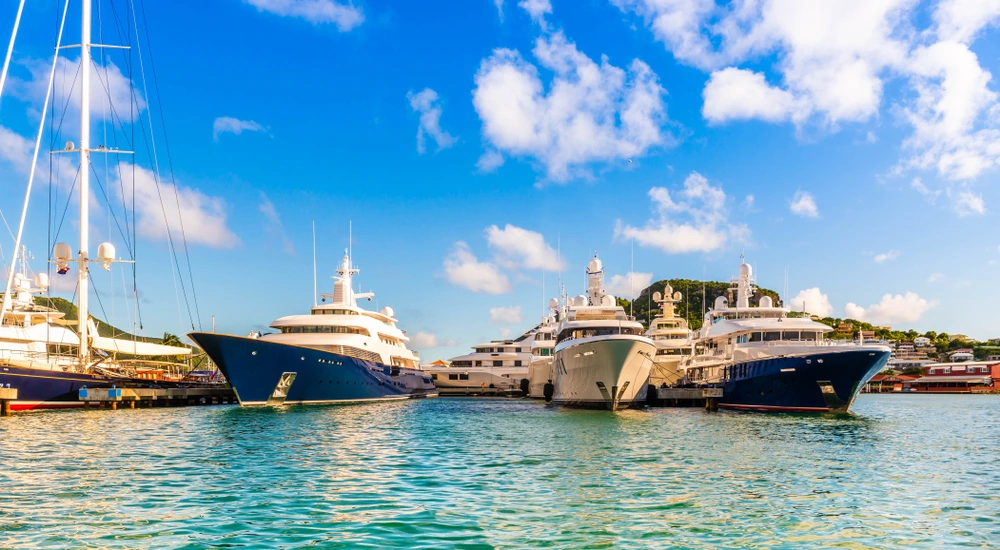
(966, 377)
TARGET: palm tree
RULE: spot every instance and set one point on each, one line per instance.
(171, 340)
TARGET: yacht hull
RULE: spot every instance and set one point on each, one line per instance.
(479, 380)
(602, 373)
(822, 382)
(539, 374)
(270, 373)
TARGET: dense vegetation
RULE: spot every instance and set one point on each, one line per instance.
(690, 305)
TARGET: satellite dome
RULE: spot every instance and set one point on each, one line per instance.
(553, 303)
(721, 302)
(745, 270)
(580, 300)
(657, 296)
(387, 311)
(766, 301)
(595, 265)
(607, 300)
(678, 296)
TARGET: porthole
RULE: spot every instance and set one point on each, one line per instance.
(819, 360)
(253, 353)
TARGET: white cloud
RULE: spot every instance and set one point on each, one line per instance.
(536, 9)
(629, 285)
(344, 16)
(832, 59)
(899, 308)
(737, 94)
(961, 20)
(812, 300)
(499, 5)
(463, 269)
(952, 95)
(966, 203)
(515, 247)
(748, 202)
(191, 214)
(886, 256)
(803, 204)
(428, 340)
(509, 315)
(106, 82)
(274, 226)
(426, 103)
(504, 332)
(696, 224)
(935, 277)
(919, 186)
(228, 124)
(591, 113)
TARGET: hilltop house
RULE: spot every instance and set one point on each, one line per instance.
(922, 341)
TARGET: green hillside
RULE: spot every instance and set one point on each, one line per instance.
(690, 305)
(103, 329)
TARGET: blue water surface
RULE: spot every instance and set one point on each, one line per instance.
(902, 471)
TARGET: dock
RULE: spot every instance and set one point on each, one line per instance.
(155, 397)
(6, 396)
(685, 397)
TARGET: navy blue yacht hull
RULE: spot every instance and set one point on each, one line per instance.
(824, 382)
(254, 368)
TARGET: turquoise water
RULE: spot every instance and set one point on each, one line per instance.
(904, 471)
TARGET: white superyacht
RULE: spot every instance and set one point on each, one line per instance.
(499, 367)
(672, 338)
(602, 360)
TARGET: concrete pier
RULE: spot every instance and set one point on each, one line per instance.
(6, 396)
(153, 397)
(686, 397)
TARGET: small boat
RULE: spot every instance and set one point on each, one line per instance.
(337, 353)
(602, 360)
(766, 360)
(499, 367)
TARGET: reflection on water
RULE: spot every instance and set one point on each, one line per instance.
(913, 471)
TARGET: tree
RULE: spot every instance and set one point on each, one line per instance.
(171, 340)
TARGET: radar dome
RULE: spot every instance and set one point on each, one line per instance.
(553, 303)
(595, 265)
(387, 311)
(607, 300)
(766, 301)
(580, 300)
(721, 302)
(677, 296)
(745, 270)
(657, 296)
(42, 281)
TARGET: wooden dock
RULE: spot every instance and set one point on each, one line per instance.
(686, 397)
(6, 396)
(155, 397)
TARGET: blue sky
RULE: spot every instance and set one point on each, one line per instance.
(866, 133)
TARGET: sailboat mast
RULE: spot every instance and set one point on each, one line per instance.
(83, 289)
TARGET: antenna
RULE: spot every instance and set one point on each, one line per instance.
(784, 296)
(314, 262)
(631, 272)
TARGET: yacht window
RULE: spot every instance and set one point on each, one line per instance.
(809, 336)
(463, 376)
(479, 363)
(517, 350)
(498, 363)
(434, 377)
(517, 363)
(452, 377)
(756, 337)
(791, 335)
(772, 336)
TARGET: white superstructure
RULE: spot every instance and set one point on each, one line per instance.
(341, 326)
(602, 360)
(496, 367)
(672, 338)
(542, 352)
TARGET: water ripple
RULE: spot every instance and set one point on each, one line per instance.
(904, 471)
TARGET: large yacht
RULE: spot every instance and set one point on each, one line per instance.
(337, 353)
(672, 338)
(765, 360)
(602, 360)
(542, 350)
(498, 367)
